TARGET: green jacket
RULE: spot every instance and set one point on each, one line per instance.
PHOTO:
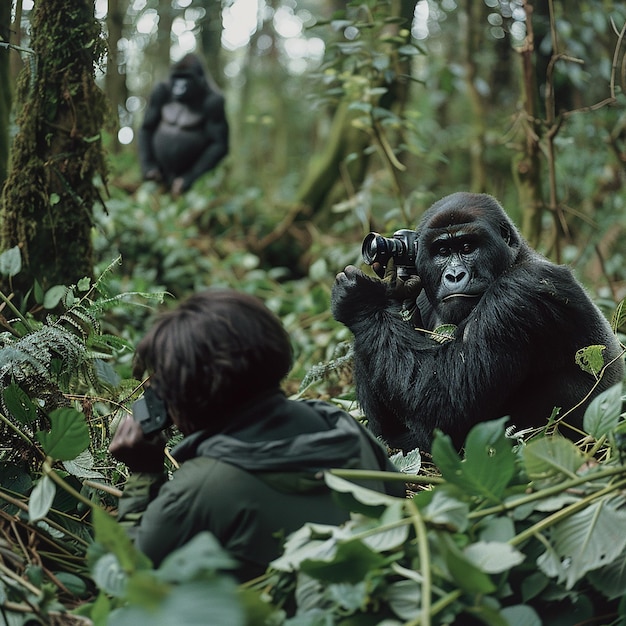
(254, 483)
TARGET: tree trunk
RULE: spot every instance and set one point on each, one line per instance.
(472, 20)
(50, 193)
(5, 90)
(527, 165)
(334, 176)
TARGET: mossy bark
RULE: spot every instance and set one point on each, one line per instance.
(5, 90)
(47, 203)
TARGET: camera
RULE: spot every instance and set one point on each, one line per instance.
(402, 247)
(150, 412)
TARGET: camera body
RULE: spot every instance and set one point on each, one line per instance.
(150, 412)
(402, 247)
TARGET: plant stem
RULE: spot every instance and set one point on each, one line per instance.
(424, 557)
(549, 491)
(15, 311)
(355, 474)
(48, 471)
(564, 513)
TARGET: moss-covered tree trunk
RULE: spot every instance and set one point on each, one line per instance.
(48, 200)
(5, 89)
(343, 165)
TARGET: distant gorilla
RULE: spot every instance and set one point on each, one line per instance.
(519, 321)
(184, 133)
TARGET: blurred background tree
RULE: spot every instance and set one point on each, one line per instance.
(351, 116)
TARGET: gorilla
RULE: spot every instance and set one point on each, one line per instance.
(517, 322)
(184, 133)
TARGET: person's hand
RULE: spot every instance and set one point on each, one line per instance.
(138, 452)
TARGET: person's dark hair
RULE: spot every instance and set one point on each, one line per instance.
(213, 353)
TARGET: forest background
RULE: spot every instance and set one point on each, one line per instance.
(344, 118)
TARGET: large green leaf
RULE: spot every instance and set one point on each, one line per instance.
(489, 460)
(68, 435)
(41, 498)
(493, 557)
(603, 413)
(552, 457)
(11, 262)
(446, 510)
(21, 407)
(465, 574)
(585, 541)
(611, 580)
(193, 604)
(201, 554)
(351, 563)
(115, 539)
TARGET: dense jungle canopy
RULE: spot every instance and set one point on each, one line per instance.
(344, 118)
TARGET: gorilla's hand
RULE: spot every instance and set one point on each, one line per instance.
(355, 295)
(178, 186)
(153, 174)
(399, 288)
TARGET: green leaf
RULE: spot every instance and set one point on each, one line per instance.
(351, 563)
(611, 580)
(444, 333)
(551, 457)
(75, 584)
(357, 498)
(11, 262)
(446, 510)
(109, 575)
(404, 599)
(53, 296)
(201, 554)
(489, 460)
(590, 359)
(115, 539)
(409, 463)
(493, 557)
(21, 407)
(41, 498)
(200, 602)
(619, 316)
(584, 541)
(603, 413)
(68, 435)
(521, 615)
(467, 576)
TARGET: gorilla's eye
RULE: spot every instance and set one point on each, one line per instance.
(468, 248)
(443, 251)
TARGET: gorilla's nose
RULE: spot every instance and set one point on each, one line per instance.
(456, 275)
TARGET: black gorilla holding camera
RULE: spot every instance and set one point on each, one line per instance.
(184, 133)
(519, 318)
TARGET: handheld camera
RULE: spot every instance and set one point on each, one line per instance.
(150, 412)
(402, 247)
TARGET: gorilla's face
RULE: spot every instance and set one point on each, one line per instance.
(460, 253)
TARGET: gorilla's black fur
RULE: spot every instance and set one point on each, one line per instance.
(520, 320)
(184, 133)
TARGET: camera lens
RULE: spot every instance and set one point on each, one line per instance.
(374, 248)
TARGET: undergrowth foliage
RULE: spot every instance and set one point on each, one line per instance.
(522, 529)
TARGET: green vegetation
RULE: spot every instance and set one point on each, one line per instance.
(519, 531)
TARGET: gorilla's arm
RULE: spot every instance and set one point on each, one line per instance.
(147, 159)
(216, 134)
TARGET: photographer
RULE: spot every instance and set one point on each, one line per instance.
(251, 460)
